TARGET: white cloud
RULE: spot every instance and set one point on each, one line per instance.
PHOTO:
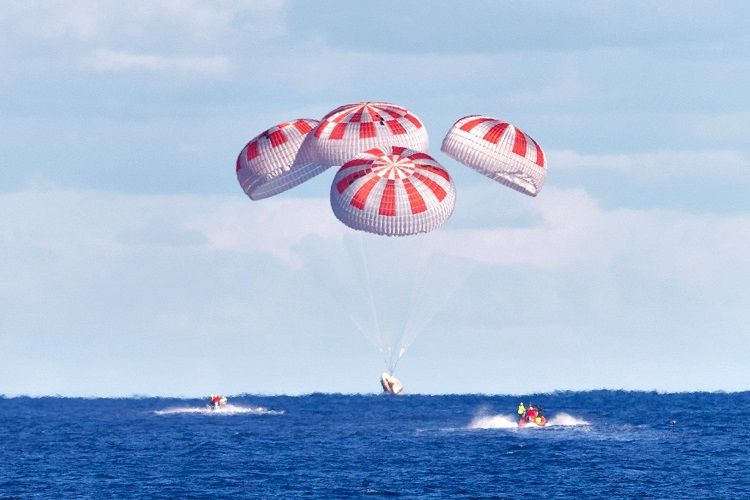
(569, 231)
(106, 60)
(690, 251)
(727, 126)
(273, 227)
(313, 64)
(565, 236)
(92, 21)
(187, 36)
(111, 276)
(565, 85)
(638, 163)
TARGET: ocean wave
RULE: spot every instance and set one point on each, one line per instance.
(224, 411)
(493, 422)
(566, 420)
(510, 422)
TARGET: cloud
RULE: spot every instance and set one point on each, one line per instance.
(273, 227)
(120, 278)
(727, 127)
(92, 21)
(315, 65)
(70, 232)
(658, 165)
(730, 161)
(570, 231)
(187, 36)
(105, 60)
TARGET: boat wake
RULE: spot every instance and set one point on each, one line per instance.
(227, 410)
(509, 422)
(493, 422)
(565, 420)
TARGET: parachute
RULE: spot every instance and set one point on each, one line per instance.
(351, 129)
(387, 184)
(273, 161)
(498, 150)
(392, 191)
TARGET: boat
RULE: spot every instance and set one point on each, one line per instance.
(533, 416)
(539, 421)
(217, 402)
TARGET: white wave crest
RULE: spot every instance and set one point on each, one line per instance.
(493, 422)
(510, 422)
(224, 411)
(563, 419)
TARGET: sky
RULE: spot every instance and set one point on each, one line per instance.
(131, 262)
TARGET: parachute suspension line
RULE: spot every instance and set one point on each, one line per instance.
(371, 299)
(363, 331)
(413, 328)
(393, 366)
(440, 278)
(392, 362)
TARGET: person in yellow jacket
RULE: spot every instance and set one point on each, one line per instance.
(521, 410)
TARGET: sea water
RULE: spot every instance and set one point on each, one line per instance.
(601, 444)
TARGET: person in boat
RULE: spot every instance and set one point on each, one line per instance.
(531, 413)
(539, 418)
(521, 410)
(217, 401)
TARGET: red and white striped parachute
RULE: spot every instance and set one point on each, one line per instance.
(273, 162)
(498, 150)
(393, 191)
(348, 130)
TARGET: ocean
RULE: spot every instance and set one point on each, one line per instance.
(598, 443)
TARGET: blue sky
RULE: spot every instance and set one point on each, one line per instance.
(132, 263)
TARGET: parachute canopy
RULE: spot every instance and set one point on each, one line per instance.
(498, 150)
(348, 130)
(272, 162)
(392, 191)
